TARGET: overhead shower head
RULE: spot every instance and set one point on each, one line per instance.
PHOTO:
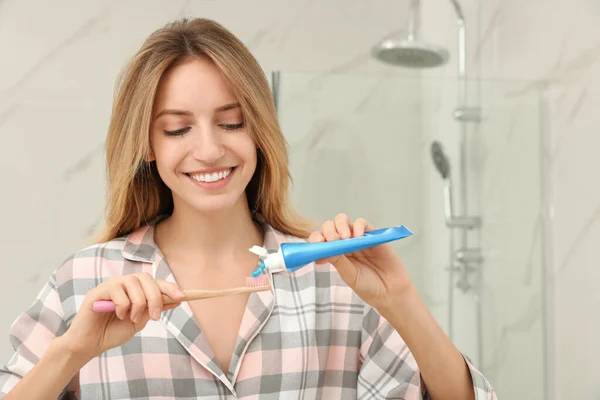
(409, 51)
(440, 160)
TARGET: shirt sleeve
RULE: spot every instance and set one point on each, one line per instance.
(30, 335)
(389, 370)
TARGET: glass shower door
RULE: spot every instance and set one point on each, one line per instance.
(360, 144)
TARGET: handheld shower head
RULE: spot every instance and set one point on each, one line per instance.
(440, 160)
(442, 164)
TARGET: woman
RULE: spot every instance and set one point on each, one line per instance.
(197, 175)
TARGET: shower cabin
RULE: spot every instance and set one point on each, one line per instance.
(438, 155)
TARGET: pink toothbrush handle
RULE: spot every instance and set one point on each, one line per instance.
(102, 306)
(257, 284)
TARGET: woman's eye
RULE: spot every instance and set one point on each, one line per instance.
(232, 127)
(177, 132)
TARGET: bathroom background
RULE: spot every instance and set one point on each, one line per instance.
(518, 137)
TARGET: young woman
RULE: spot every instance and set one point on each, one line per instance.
(197, 175)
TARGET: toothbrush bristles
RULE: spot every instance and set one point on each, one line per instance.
(261, 280)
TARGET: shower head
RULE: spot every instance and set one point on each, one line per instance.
(443, 166)
(410, 53)
(440, 160)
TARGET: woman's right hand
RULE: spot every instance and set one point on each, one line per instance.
(138, 299)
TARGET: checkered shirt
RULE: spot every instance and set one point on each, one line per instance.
(310, 337)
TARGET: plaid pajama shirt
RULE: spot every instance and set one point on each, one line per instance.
(309, 337)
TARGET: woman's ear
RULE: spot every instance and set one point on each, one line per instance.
(150, 156)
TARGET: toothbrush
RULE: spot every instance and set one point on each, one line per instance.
(256, 284)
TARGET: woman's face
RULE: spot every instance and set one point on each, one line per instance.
(200, 143)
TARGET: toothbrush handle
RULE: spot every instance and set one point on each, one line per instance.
(102, 306)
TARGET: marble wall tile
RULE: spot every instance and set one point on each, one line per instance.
(553, 45)
(575, 205)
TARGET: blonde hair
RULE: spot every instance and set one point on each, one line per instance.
(136, 193)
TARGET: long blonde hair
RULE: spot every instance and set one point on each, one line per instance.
(136, 193)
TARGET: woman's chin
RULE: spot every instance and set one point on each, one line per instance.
(218, 205)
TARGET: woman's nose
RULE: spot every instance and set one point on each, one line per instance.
(208, 147)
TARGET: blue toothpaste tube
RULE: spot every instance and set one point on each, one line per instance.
(293, 256)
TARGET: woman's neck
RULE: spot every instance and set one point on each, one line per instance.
(219, 238)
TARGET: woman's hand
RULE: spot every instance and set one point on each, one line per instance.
(138, 298)
(377, 274)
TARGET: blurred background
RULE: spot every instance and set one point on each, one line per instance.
(470, 122)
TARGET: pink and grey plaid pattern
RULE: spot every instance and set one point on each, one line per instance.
(311, 337)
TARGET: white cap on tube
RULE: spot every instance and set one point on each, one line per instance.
(274, 262)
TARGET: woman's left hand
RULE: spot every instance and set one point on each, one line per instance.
(377, 274)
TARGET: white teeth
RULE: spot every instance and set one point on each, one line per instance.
(215, 176)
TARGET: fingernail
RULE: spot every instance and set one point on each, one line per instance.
(156, 314)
